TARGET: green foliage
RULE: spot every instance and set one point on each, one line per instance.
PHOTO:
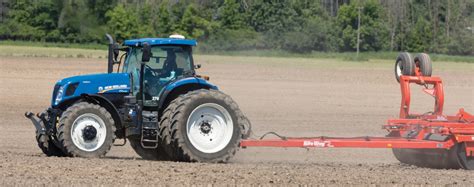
(296, 26)
(163, 24)
(123, 22)
(312, 33)
(192, 24)
(100, 7)
(229, 39)
(373, 31)
(231, 16)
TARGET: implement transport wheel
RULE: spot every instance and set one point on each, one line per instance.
(46, 144)
(404, 65)
(86, 130)
(203, 126)
(148, 154)
(423, 64)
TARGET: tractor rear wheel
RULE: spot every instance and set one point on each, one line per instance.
(168, 145)
(203, 126)
(86, 130)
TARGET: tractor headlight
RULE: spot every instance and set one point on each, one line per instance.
(59, 95)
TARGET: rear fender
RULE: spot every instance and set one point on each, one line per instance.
(172, 91)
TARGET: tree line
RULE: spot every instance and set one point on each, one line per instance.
(301, 26)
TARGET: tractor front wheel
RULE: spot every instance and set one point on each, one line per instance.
(86, 130)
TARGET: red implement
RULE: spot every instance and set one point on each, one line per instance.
(430, 140)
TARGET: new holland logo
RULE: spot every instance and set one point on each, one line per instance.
(112, 87)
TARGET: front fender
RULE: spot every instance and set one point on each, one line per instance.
(100, 100)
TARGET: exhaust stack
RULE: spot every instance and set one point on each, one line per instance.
(110, 58)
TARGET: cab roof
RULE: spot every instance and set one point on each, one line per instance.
(160, 41)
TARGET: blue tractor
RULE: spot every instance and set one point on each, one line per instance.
(155, 100)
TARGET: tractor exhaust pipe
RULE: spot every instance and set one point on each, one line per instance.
(110, 58)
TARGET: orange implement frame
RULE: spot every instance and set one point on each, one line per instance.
(432, 130)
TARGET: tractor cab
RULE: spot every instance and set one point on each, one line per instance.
(169, 60)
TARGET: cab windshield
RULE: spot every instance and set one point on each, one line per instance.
(166, 64)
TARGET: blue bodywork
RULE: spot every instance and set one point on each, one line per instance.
(91, 84)
(110, 83)
(160, 41)
(71, 88)
(189, 80)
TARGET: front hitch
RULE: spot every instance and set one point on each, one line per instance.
(36, 122)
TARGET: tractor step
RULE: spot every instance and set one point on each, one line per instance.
(149, 135)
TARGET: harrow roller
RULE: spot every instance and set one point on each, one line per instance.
(429, 158)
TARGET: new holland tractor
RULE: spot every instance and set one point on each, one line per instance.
(154, 99)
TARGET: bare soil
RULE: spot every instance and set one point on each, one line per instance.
(294, 97)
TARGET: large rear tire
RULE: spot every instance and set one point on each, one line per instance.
(203, 126)
(86, 130)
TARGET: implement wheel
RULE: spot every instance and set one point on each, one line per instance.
(404, 65)
(423, 64)
(203, 126)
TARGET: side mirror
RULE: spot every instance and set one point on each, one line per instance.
(197, 66)
(146, 52)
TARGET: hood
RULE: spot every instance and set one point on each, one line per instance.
(106, 83)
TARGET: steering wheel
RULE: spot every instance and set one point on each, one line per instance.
(153, 85)
(153, 72)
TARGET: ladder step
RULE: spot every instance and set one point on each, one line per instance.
(149, 128)
(150, 131)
